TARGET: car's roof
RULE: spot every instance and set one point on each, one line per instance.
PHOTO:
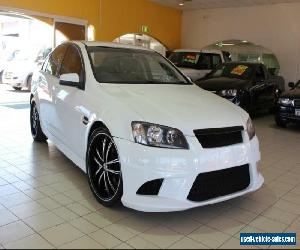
(199, 50)
(110, 45)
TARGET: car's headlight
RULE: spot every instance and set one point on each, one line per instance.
(229, 92)
(285, 101)
(250, 129)
(158, 136)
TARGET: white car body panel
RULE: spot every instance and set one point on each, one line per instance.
(185, 107)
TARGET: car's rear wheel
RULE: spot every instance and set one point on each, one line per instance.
(36, 130)
(104, 168)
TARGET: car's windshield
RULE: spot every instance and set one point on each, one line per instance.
(239, 71)
(129, 66)
(196, 60)
(298, 85)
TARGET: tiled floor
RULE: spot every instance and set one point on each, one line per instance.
(45, 201)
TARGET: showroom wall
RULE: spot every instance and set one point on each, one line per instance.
(113, 18)
(276, 27)
(119, 17)
(75, 8)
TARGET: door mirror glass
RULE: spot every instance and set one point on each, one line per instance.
(71, 79)
(291, 85)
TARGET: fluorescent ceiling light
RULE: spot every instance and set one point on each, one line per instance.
(228, 44)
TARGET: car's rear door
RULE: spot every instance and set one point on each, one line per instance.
(48, 82)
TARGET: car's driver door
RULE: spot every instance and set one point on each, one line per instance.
(70, 104)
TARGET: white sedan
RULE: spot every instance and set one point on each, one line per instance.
(144, 134)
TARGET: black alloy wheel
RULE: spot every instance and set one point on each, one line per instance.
(36, 130)
(104, 168)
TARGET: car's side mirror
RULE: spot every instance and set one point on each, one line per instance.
(291, 85)
(71, 80)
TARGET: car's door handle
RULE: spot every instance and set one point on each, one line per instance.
(85, 120)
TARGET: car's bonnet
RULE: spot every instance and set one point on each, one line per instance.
(223, 83)
(186, 107)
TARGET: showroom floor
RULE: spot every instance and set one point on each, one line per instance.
(45, 201)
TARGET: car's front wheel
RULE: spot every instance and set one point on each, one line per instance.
(280, 123)
(104, 168)
(36, 130)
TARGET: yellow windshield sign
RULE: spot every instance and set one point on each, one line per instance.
(239, 70)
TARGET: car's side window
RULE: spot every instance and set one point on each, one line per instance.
(55, 60)
(205, 62)
(260, 75)
(72, 63)
(216, 60)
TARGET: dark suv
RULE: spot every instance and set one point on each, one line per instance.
(288, 107)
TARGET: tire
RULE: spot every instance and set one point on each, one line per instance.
(280, 123)
(17, 88)
(277, 94)
(36, 130)
(104, 168)
(29, 80)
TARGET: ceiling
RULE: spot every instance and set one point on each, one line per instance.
(213, 4)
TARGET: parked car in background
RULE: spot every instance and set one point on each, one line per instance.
(195, 64)
(104, 106)
(288, 107)
(4, 59)
(18, 71)
(248, 85)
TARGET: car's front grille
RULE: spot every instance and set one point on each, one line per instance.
(297, 103)
(219, 137)
(220, 183)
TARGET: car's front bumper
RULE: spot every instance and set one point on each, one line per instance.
(179, 169)
(287, 113)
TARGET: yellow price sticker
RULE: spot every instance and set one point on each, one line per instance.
(239, 70)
